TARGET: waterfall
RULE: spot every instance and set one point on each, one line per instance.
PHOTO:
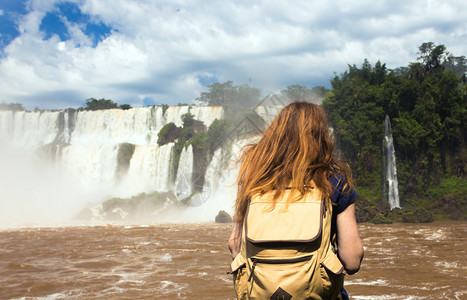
(389, 167)
(183, 182)
(219, 190)
(31, 129)
(96, 154)
(149, 170)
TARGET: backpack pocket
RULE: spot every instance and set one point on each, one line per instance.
(297, 222)
(238, 263)
(280, 278)
(332, 275)
(332, 263)
(238, 270)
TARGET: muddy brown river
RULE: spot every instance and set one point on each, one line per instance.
(189, 261)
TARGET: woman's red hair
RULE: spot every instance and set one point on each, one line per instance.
(294, 151)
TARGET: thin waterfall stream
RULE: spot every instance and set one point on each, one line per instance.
(389, 167)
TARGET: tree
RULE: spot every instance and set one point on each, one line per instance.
(458, 66)
(228, 95)
(125, 106)
(319, 91)
(94, 104)
(427, 105)
(191, 127)
(217, 133)
(218, 94)
(11, 106)
(432, 56)
(298, 92)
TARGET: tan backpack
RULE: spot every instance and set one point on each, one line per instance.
(286, 251)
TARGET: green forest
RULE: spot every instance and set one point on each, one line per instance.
(426, 103)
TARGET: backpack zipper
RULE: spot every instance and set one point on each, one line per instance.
(276, 262)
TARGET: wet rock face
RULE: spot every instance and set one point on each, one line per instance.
(223, 217)
(143, 207)
(452, 206)
(367, 210)
(419, 215)
(363, 210)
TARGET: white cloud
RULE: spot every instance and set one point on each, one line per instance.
(162, 49)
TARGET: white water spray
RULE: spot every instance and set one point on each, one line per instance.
(83, 148)
(391, 188)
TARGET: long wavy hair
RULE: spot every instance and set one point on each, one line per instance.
(295, 151)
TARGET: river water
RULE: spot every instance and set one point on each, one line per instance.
(189, 261)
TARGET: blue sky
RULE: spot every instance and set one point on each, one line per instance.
(56, 54)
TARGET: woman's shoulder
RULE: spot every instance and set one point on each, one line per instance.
(343, 195)
(338, 181)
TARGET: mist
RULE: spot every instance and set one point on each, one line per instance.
(33, 192)
(60, 168)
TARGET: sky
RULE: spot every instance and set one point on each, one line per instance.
(55, 54)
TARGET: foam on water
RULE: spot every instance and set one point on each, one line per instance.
(166, 257)
(384, 297)
(143, 243)
(378, 282)
(126, 280)
(449, 265)
(113, 290)
(50, 297)
(224, 279)
(168, 287)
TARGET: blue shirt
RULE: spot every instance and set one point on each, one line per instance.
(341, 199)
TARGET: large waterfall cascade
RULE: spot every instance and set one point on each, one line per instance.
(389, 167)
(86, 147)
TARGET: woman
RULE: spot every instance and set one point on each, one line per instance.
(295, 152)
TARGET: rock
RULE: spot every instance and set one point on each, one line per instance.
(417, 215)
(382, 206)
(223, 217)
(141, 207)
(380, 219)
(364, 210)
(395, 214)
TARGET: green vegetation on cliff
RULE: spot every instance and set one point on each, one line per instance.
(427, 105)
(203, 141)
(94, 104)
(124, 154)
(168, 134)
